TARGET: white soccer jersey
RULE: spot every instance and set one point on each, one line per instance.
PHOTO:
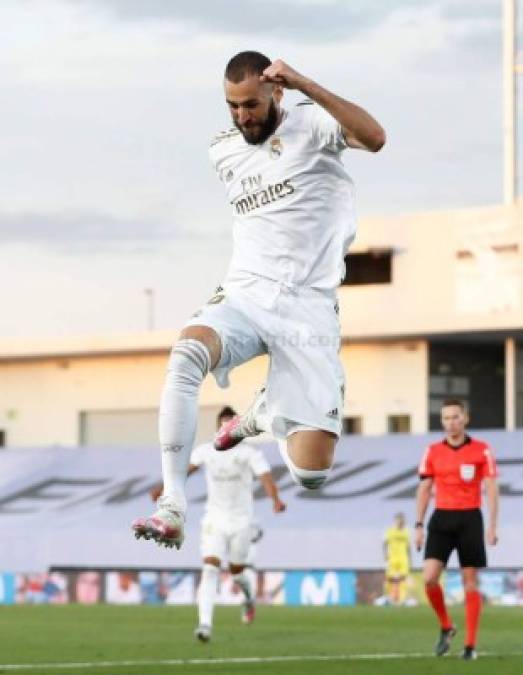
(230, 478)
(292, 200)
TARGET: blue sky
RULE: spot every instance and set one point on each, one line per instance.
(107, 107)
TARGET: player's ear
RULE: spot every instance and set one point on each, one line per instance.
(277, 93)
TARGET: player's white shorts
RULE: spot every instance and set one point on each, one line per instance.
(298, 327)
(227, 541)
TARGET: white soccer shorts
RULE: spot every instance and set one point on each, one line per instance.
(299, 328)
(227, 541)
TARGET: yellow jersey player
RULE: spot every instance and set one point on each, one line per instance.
(396, 549)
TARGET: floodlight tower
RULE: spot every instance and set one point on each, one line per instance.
(511, 69)
(510, 72)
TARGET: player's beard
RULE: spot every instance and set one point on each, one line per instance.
(259, 133)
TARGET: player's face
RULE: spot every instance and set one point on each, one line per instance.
(222, 420)
(454, 420)
(254, 108)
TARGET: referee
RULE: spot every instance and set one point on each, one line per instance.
(455, 468)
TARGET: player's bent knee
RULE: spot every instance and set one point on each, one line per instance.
(206, 336)
(189, 363)
(311, 480)
(212, 560)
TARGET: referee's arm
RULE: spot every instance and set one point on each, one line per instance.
(492, 493)
(423, 495)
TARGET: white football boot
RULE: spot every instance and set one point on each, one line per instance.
(240, 426)
(165, 526)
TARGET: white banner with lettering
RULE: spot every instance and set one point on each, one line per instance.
(73, 507)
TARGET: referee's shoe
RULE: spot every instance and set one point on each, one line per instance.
(445, 637)
(469, 654)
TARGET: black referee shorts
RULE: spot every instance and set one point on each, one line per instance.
(460, 530)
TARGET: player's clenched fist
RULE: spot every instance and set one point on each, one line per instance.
(278, 506)
(492, 537)
(280, 73)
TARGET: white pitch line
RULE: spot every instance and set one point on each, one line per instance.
(233, 660)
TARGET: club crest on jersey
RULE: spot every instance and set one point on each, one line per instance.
(216, 299)
(275, 147)
(226, 175)
(467, 472)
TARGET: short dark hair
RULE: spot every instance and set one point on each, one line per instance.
(245, 64)
(454, 401)
(226, 411)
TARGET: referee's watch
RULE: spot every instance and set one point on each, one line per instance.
(418, 523)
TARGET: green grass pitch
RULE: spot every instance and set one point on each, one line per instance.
(141, 640)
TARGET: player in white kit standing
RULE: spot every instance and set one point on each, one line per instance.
(293, 210)
(228, 530)
(227, 526)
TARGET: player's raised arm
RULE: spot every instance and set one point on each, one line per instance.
(271, 490)
(359, 128)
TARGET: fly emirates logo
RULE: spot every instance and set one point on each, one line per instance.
(255, 196)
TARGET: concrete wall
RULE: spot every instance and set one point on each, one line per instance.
(386, 379)
(452, 271)
(41, 399)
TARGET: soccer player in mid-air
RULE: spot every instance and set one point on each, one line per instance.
(455, 468)
(228, 529)
(293, 210)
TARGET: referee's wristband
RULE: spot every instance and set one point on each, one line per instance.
(418, 524)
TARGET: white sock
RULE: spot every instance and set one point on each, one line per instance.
(252, 576)
(207, 594)
(188, 365)
(244, 583)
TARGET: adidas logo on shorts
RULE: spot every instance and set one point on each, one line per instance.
(333, 414)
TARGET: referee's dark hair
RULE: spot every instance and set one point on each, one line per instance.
(226, 411)
(454, 401)
(245, 64)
